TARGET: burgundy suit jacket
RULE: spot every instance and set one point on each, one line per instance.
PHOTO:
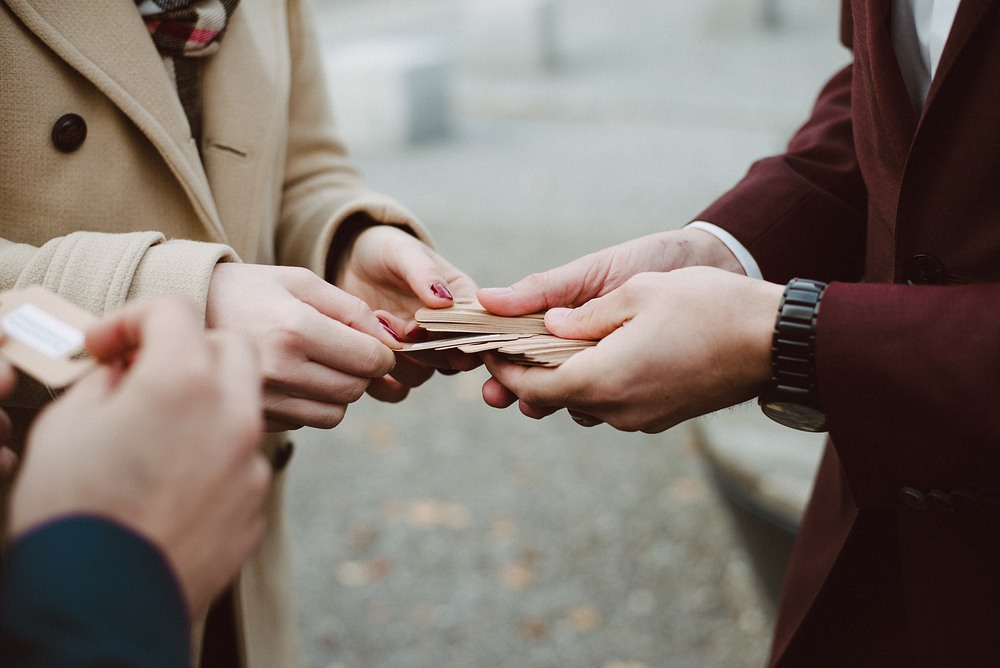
(898, 557)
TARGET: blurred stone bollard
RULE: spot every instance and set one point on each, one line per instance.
(510, 34)
(390, 93)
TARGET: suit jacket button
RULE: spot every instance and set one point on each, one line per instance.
(925, 270)
(69, 132)
(913, 498)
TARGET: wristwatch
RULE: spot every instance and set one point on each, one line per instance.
(792, 398)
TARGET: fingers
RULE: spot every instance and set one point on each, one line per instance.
(392, 324)
(410, 372)
(423, 274)
(568, 285)
(340, 306)
(583, 419)
(534, 387)
(536, 412)
(594, 320)
(312, 395)
(434, 280)
(388, 389)
(496, 395)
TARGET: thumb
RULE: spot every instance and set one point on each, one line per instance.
(569, 285)
(593, 321)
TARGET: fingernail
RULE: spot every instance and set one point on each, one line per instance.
(392, 332)
(498, 292)
(557, 314)
(442, 291)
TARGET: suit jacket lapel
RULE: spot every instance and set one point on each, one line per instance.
(107, 43)
(888, 90)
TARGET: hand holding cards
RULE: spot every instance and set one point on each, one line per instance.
(43, 336)
(520, 339)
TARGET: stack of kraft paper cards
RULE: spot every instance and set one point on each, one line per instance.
(520, 339)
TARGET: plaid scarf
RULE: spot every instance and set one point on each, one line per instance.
(184, 31)
(189, 28)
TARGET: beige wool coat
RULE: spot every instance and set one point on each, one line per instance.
(135, 211)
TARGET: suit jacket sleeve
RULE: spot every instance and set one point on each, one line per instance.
(907, 375)
(82, 591)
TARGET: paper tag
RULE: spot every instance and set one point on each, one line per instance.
(44, 336)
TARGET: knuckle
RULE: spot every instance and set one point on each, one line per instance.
(375, 359)
(355, 390)
(330, 418)
(287, 338)
(296, 275)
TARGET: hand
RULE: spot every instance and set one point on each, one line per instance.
(319, 346)
(673, 346)
(167, 444)
(397, 273)
(599, 273)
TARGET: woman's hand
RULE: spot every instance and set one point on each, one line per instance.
(396, 273)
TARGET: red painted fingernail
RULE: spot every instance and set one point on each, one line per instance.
(386, 327)
(440, 290)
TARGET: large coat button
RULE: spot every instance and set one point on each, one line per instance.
(69, 133)
(925, 270)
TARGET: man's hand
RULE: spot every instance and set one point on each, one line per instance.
(395, 272)
(673, 346)
(599, 273)
(163, 438)
(319, 346)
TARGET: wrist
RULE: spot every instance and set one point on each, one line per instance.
(343, 242)
(792, 393)
(709, 250)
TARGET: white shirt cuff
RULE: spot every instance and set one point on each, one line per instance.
(744, 257)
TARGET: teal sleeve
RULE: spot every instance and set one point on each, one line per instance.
(83, 591)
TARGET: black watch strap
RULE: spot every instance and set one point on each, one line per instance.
(792, 397)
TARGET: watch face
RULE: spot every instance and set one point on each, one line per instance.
(796, 416)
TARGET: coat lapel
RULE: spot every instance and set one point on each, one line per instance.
(888, 90)
(107, 43)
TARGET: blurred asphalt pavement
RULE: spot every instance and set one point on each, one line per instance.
(441, 532)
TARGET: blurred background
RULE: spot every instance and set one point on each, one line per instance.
(525, 133)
